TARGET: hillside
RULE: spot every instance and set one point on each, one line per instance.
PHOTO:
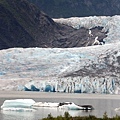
(23, 25)
(80, 8)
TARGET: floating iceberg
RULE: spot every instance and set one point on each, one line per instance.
(70, 106)
(73, 106)
(31, 105)
(18, 105)
(45, 104)
(62, 105)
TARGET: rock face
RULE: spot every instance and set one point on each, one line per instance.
(80, 8)
(23, 25)
(11, 32)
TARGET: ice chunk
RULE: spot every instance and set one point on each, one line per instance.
(45, 104)
(70, 106)
(18, 105)
(62, 105)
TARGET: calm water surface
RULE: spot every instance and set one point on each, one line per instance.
(100, 105)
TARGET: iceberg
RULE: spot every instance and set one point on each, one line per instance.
(117, 109)
(45, 104)
(22, 105)
(18, 105)
(73, 106)
(62, 105)
(70, 106)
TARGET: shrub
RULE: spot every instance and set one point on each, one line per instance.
(90, 117)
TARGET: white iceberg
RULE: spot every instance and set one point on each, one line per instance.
(30, 105)
(62, 105)
(18, 105)
(73, 106)
(70, 106)
(45, 104)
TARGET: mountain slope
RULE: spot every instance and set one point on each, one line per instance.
(11, 32)
(81, 8)
(23, 25)
(26, 21)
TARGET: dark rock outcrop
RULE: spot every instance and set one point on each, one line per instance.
(12, 34)
(80, 8)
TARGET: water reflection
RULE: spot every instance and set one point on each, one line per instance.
(100, 105)
(39, 114)
(14, 115)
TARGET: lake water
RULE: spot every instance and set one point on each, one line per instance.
(101, 106)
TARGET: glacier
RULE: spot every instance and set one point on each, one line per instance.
(110, 23)
(92, 69)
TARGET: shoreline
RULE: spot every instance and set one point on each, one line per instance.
(29, 94)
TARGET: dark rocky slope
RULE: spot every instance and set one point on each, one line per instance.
(23, 25)
(68, 8)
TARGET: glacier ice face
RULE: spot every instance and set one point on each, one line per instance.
(79, 85)
(110, 24)
(92, 69)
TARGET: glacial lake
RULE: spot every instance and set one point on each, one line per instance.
(101, 105)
